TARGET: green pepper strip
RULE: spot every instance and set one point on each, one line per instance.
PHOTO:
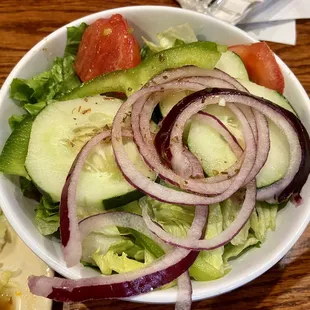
(200, 54)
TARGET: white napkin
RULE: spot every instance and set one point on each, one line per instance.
(276, 31)
(269, 20)
(275, 10)
(274, 20)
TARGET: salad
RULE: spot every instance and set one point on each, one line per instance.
(154, 165)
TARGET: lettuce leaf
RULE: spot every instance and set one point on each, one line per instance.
(230, 209)
(29, 189)
(47, 216)
(177, 220)
(120, 253)
(112, 262)
(35, 93)
(174, 219)
(209, 265)
(15, 120)
(263, 219)
(172, 37)
(74, 36)
(233, 251)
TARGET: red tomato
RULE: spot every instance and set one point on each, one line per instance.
(261, 65)
(107, 45)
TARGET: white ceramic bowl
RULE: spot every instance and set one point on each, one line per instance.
(147, 21)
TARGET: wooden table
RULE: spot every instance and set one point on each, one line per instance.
(287, 285)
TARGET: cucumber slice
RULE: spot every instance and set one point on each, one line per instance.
(232, 64)
(278, 159)
(13, 156)
(171, 100)
(214, 153)
(209, 147)
(277, 162)
(267, 93)
(59, 132)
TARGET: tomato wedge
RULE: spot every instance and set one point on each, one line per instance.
(261, 65)
(107, 45)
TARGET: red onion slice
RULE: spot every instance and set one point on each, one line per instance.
(224, 189)
(296, 134)
(96, 223)
(70, 234)
(192, 71)
(207, 244)
(149, 154)
(184, 297)
(158, 273)
(263, 145)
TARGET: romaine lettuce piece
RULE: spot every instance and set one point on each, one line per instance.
(111, 261)
(230, 209)
(176, 220)
(47, 216)
(172, 37)
(209, 264)
(232, 251)
(263, 219)
(34, 93)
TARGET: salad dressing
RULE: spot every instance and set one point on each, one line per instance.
(18, 259)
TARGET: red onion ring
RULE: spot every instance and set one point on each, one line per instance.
(207, 244)
(70, 234)
(158, 273)
(192, 71)
(287, 121)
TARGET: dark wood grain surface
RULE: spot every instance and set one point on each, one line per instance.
(287, 285)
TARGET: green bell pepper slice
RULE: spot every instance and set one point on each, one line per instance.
(201, 54)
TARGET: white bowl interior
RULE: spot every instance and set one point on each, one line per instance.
(147, 21)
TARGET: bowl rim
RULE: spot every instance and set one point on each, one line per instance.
(43, 255)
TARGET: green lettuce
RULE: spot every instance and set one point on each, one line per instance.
(47, 216)
(74, 37)
(263, 219)
(233, 251)
(127, 251)
(112, 262)
(174, 219)
(230, 209)
(15, 120)
(29, 190)
(209, 265)
(35, 93)
(172, 37)
(177, 220)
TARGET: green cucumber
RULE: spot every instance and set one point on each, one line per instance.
(232, 64)
(59, 132)
(214, 153)
(268, 94)
(13, 156)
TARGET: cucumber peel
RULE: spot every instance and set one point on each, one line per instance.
(14, 153)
